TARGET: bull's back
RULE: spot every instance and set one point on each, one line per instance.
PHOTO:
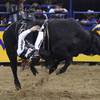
(67, 34)
(67, 28)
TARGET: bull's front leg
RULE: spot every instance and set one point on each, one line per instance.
(53, 66)
(33, 69)
(32, 64)
(68, 60)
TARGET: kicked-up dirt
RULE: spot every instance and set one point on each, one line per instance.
(80, 82)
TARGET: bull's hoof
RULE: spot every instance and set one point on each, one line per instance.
(60, 71)
(17, 86)
(35, 73)
(52, 69)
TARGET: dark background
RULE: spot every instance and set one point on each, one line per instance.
(80, 4)
(77, 4)
(86, 4)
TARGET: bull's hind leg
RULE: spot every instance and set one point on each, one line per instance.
(64, 68)
(14, 70)
(12, 54)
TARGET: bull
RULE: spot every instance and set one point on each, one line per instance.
(65, 39)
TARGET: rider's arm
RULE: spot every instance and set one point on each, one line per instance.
(26, 32)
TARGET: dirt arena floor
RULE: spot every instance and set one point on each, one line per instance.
(80, 82)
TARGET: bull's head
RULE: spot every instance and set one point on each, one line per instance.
(96, 39)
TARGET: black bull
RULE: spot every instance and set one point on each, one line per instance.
(66, 39)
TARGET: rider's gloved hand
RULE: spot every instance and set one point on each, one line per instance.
(35, 28)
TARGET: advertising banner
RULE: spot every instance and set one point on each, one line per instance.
(3, 55)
